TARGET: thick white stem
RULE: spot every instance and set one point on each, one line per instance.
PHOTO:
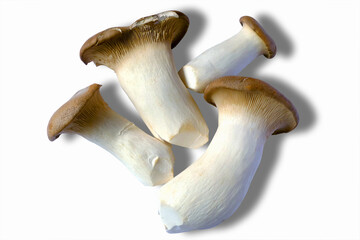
(212, 188)
(225, 59)
(150, 160)
(149, 78)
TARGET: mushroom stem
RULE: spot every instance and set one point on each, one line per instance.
(175, 116)
(229, 57)
(149, 159)
(213, 187)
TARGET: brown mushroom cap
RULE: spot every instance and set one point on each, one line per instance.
(258, 97)
(258, 29)
(66, 114)
(111, 44)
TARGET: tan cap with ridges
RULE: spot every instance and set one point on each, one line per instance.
(168, 26)
(244, 85)
(68, 112)
(259, 30)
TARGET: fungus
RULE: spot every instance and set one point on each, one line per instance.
(141, 56)
(88, 115)
(229, 57)
(213, 187)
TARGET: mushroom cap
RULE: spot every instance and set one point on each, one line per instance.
(115, 42)
(244, 86)
(259, 30)
(64, 116)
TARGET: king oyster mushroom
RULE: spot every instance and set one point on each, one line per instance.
(213, 187)
(229, 57)
(141, 56)
(88, 115)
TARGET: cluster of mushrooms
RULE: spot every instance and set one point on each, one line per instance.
(250, 110)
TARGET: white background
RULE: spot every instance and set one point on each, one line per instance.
(307, 185)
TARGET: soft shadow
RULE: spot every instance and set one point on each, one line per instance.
(113, 94)
(282, 39)
(284, 45)
(68, 137)
(209, 113)
(182, 158)
(182, 51)
(307, 115)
